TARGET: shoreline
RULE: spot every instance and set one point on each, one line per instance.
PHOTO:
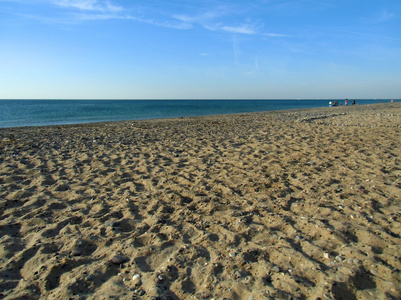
(300, 115)
(115, 111)
(262, 205)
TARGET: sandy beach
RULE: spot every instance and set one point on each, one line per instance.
(278, 205)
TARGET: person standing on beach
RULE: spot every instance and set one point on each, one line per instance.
(346, 102)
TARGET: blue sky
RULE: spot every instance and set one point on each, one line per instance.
(209, 49)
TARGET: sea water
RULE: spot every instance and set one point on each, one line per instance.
(18, 113)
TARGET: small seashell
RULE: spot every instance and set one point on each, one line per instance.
(137, 279)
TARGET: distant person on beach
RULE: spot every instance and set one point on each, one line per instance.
(346, 102)
(354, 102)
(392, 101)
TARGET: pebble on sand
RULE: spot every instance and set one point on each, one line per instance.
(137, 279)
(119, 259)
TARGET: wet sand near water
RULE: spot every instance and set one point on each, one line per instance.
(278, 205)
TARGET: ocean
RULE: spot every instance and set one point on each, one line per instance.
(18, 113)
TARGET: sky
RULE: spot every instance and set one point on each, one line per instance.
(200, 49)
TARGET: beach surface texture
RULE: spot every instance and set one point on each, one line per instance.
(279, 205)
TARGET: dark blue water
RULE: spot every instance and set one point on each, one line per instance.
(16, 113)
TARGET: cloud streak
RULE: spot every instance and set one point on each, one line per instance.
(240, 29)
(212, 19)
(384, 17)
(89, 5)
(215, 18)
(370, 35)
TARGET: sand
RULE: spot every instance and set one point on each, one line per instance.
(278, 205)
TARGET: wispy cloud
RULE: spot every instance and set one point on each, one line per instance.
(89, 5)
(370, 35)
(384, 16)
(217, 19)
(225, 18)
(240, 29)
(246, 29)
(275, 35)
(236, 49)
(201, 18)
(71, 11)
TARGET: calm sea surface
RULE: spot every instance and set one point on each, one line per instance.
(16, 113)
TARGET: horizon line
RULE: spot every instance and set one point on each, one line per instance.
(190, 99)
